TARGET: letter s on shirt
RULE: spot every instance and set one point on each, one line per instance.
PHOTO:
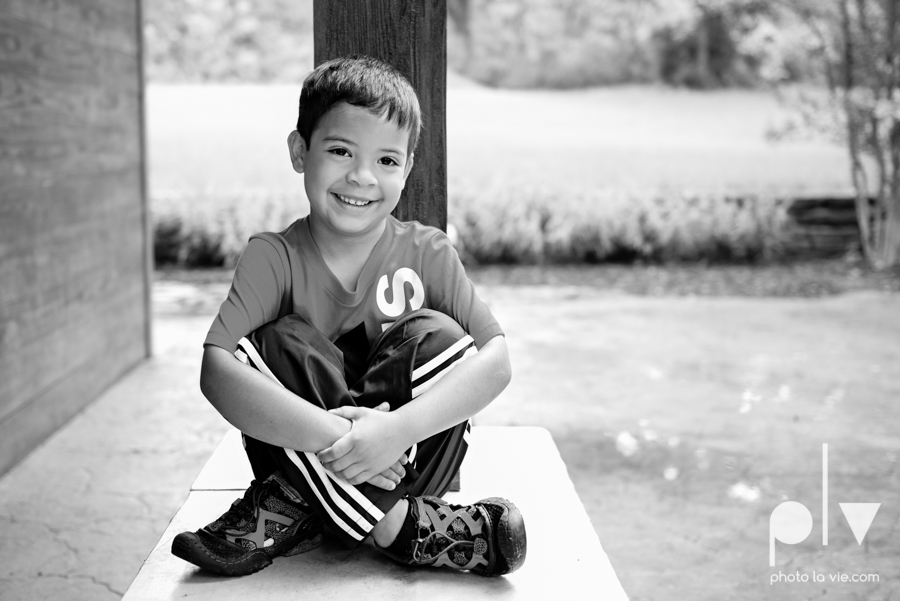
(396, 307)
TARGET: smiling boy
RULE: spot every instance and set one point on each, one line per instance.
(351, 352)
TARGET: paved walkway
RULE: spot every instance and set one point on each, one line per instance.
(81, 513)
(93, 500)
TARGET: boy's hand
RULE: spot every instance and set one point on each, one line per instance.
(391, 477)
(369, 451)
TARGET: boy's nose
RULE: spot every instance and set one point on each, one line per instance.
(361, 175)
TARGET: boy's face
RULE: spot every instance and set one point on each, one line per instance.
(355, 168)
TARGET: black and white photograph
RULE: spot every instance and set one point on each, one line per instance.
(450, 299)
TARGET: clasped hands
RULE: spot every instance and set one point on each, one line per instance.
(369, 451)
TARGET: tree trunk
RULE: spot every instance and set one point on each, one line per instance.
(888, 255)
(411, 36)
(704, 77)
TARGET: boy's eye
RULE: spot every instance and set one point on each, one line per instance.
(389, 161)
(341, 152)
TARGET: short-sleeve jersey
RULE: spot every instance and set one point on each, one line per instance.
(411, 267)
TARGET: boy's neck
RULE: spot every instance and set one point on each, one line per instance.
(345, 255)
(336, 243)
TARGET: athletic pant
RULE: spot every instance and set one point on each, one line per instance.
(404, 362)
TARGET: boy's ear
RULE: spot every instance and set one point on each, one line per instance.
(408, 168)
(298, 150)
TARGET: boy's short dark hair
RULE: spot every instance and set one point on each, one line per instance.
(360, 81)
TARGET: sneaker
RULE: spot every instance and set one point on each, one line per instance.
(269, 521)
(487, 538)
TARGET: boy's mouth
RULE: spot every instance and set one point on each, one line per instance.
(354, 202)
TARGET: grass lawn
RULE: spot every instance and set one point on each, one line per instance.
(638, 138)
(686, 411)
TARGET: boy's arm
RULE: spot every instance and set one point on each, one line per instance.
(276, 415)
(461, 393)
(261, 408)
(464, 391)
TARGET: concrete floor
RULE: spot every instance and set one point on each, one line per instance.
(333, 573)
(82, 512)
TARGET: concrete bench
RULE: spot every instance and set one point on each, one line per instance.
(564, 557)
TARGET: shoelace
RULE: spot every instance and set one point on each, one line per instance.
(422, 544)
(234, 515)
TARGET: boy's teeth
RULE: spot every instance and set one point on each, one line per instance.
(354, 202)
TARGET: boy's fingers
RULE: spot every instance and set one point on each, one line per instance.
(348, 474)
(339, 465)
(392, 474)
(347, 412)
(358, 477)
(325, 455)
(398, 470)
(335, 451)
(385, 406)
(381, 482)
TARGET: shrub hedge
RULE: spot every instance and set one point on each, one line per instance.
(502, 225)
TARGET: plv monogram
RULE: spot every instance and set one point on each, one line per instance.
(791, 521)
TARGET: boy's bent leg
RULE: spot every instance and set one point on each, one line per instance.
(295, 354)
(406, 361)
(409, 358)
(274, 517)
(299, 357)
(487, 537)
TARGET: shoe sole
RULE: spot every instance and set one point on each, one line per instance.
(190, 548)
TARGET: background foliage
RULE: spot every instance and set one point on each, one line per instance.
(505, 43)
(518, 226)
(228, 40)
(700, 44)
(573, 43)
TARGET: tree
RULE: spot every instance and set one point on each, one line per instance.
(710, 43)
(858, 42)
(228, 40)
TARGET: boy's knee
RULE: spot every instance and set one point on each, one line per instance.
(433, 331)
(287, 326)
(429, 320)
(293, 334)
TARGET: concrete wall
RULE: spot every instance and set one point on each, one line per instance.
(74, 254)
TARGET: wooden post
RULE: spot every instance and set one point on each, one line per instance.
(411, 35)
